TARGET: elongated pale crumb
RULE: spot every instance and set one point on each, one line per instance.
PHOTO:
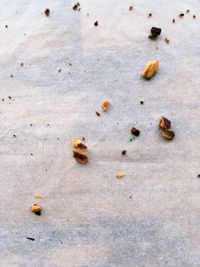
(120, 175)
(150, 69)
(37, 195)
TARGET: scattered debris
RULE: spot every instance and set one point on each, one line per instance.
(130, 8)
(187, 11)
(166, 40)
(135, 131)
(167, 134)
(77, 6)
(14, 136)
(164, 123)
(150, 15)
(6, 26)
(36, 209)
(96, 23)
(77, 143)
(155, 32)
(141, 102)
(150, 69)
(37, 195)
(181, 15)
(47, 12)
(120, 175)
(124, 152)
(9, 97)
(105, 104)
(173, 20)
(98, 114)
(80, 156)
(30, 238)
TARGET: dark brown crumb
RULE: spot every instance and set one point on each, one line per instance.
(14, 136)
(155, 32)
(164, 123)
(181, 15)
(47, 12)
(6, 26)
(141, 102)
(173, 20)
(135, 131)
(150, 15)
(77, 7)
(98, 114)
(124, 152)
(167, 40)
(22, 64)
(80, 156)
(30, 238)
(130, 8)
(194, 16)
(10, 97)
(59, 70)
(96, 23)
(187, 11)
(198, 175)
(38, 213)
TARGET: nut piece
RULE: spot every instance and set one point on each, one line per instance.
(80, 156)
(47, 12)
(164, 123)
(150, 69)
(155, 32)
(36, 209)
(167, 134)
(135, 131)
(120, 175)
(105, 104)
(78, 143)
(37, 195)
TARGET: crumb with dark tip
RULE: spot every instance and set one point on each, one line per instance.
(173, 20)
(141, 102)
(47, 12)
(181, 15)
(150, 15)
(130, 8)
(124, 152)
(194, 16)
(6, 26)
(14, 136)
(166, 40)
(135, 131)
(96, 23)
(98, 114)
(30, 238)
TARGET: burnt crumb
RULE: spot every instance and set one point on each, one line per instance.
(22, 64)
(10, 97)
(135, 131)
(47, 12)
(6, 26)
(141, 102)
(130, 8)
(166, 40)
(187, 11)
(77, 7)
(59, 70)
(124, 152)
(96, 23)
(11, 76)
(181, 15)
(198, 175)
(155, 32)
(150, 15)
(194, 16)
(38, 213)
(98, 114)
(14, 135)
(30, 238)
(173, 20)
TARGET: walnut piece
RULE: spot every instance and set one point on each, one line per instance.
(167, 134)
(35, 208)
(164, 123)
(80, 156)
(150, 69)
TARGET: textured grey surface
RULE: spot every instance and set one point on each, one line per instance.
(89, 218)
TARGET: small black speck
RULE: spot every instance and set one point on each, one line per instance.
(11, 76)
(130, 139)
(30, 238)
(124, 152)
(31, 124)
(198, 175)
(141, 102)
(61, 242)
(173, 20)
(38, 213)
(83, 138)
(14, 135)
(194, 16)
(130, 196)
(31, 154)
(59, 70)
(2, 99)
(10, 97)
(181, 15)
(96, 23)
(45, 170)
(150, 15)
(47, 124)
(70, 64)
(6, 26)
(97, 59)
(58, 138)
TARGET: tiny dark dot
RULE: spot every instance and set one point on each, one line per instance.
(58, 138)
(45, 170)
(98, 114)
(2, 99)
(11, 76)
(173, 20)
(83, 138)
(10, 97)
(31, 124)
(130, 196)
(188, 11)
(194, 16)
(141, 102)
(96, 23)
(70, 64)
(22, 64)
(14, 135)
(31, 154)
(130, 139)
(150, 15)
(6, 26)
(198, 175)
(124, 152)
(181, 15)
(47, 124)
(59, 70)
